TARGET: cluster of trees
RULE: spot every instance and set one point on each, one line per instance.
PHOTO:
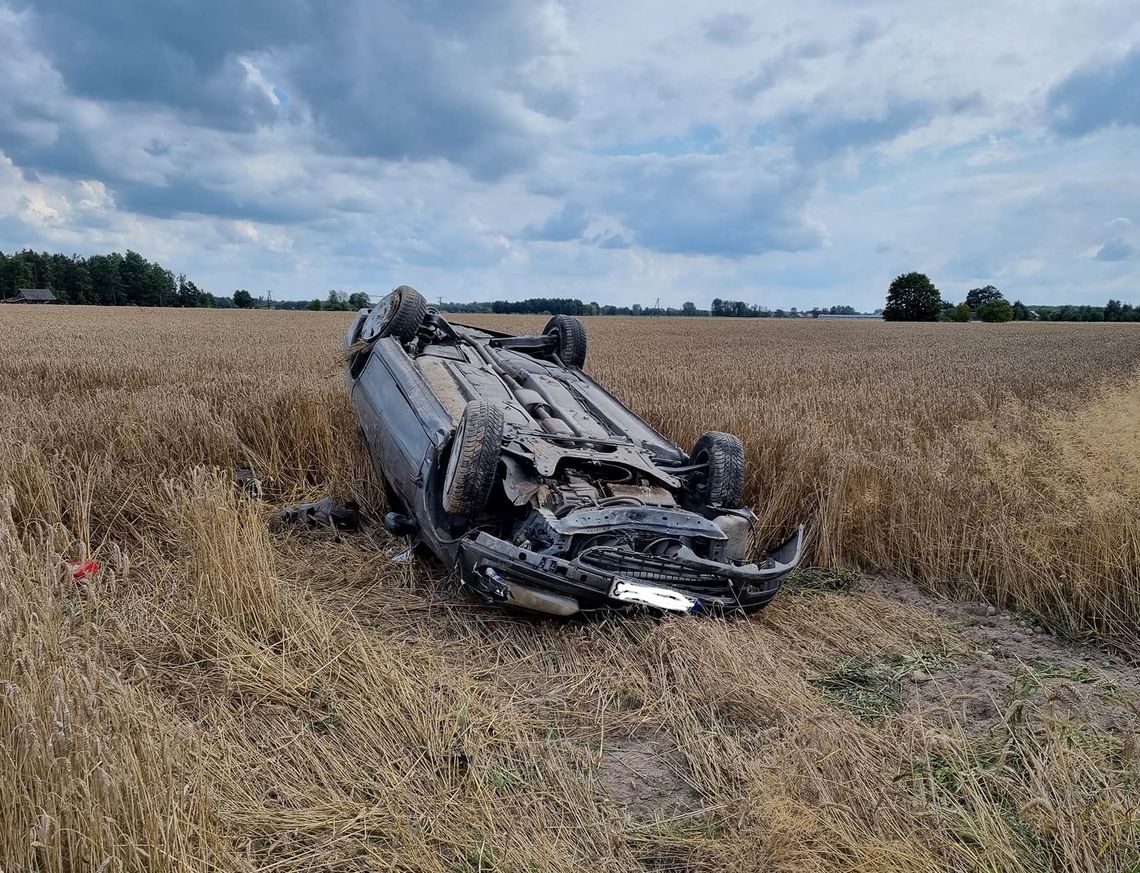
(572, 306)
(131, 280)
(543, 305)
(740, 309)
(913, 297)
(103, 280)
(1114, 310)
(335, 301)
(984, 304)
(569, 306)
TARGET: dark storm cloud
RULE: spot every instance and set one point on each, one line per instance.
(70, 156)
(1097, 96)
(166, 53)
(415, 81)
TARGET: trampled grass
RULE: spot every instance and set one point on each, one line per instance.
(225, 696)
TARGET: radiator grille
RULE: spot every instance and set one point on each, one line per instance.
(652, 568)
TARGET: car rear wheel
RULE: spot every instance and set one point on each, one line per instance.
(571, 335)
(474, 460)
(399, 314)
(721, 482)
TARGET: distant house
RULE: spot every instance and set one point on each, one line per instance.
(32, 295)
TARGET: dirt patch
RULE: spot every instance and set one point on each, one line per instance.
(642, 775)
(1014, 660)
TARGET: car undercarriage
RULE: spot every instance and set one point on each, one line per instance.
(538, 486)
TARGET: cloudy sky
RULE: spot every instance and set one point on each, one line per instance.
(796, 152)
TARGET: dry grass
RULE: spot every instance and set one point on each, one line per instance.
(223, 697)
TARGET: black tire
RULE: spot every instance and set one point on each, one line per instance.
(399, 314)
(722, 481)
(474, 460)
(571, 334)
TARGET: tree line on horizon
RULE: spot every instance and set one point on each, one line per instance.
(130, 279)
(573, 306)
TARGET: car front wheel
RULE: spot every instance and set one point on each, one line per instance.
(399, 314)
(720, 482)
(474, 460)
(570, 333)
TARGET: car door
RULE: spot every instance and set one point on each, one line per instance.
(401, 419)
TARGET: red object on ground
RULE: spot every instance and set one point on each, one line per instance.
(79, 569)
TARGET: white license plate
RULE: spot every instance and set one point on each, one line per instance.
(652, 595)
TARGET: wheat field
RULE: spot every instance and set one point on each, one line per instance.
(948, 687)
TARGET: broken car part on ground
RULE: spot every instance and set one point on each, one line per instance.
(540, 487)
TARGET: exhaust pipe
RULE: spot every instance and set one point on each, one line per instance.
(533, 402)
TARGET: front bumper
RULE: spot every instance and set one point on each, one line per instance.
(507, 574)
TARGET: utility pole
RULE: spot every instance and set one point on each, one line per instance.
(269, 303)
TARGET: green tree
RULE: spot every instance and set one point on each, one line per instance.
(161, 289)
(187, 293)
(243, 299)
(17, 274)
(995, 311)
(959, 313)
(977, 297)
(134, 272)
(912, 297)
(106, 282)
(359, 300)
(688, 308)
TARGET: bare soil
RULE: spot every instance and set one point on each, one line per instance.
(645, 777)
(1014, 659)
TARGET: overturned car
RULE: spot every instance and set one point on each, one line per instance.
(545, 492)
